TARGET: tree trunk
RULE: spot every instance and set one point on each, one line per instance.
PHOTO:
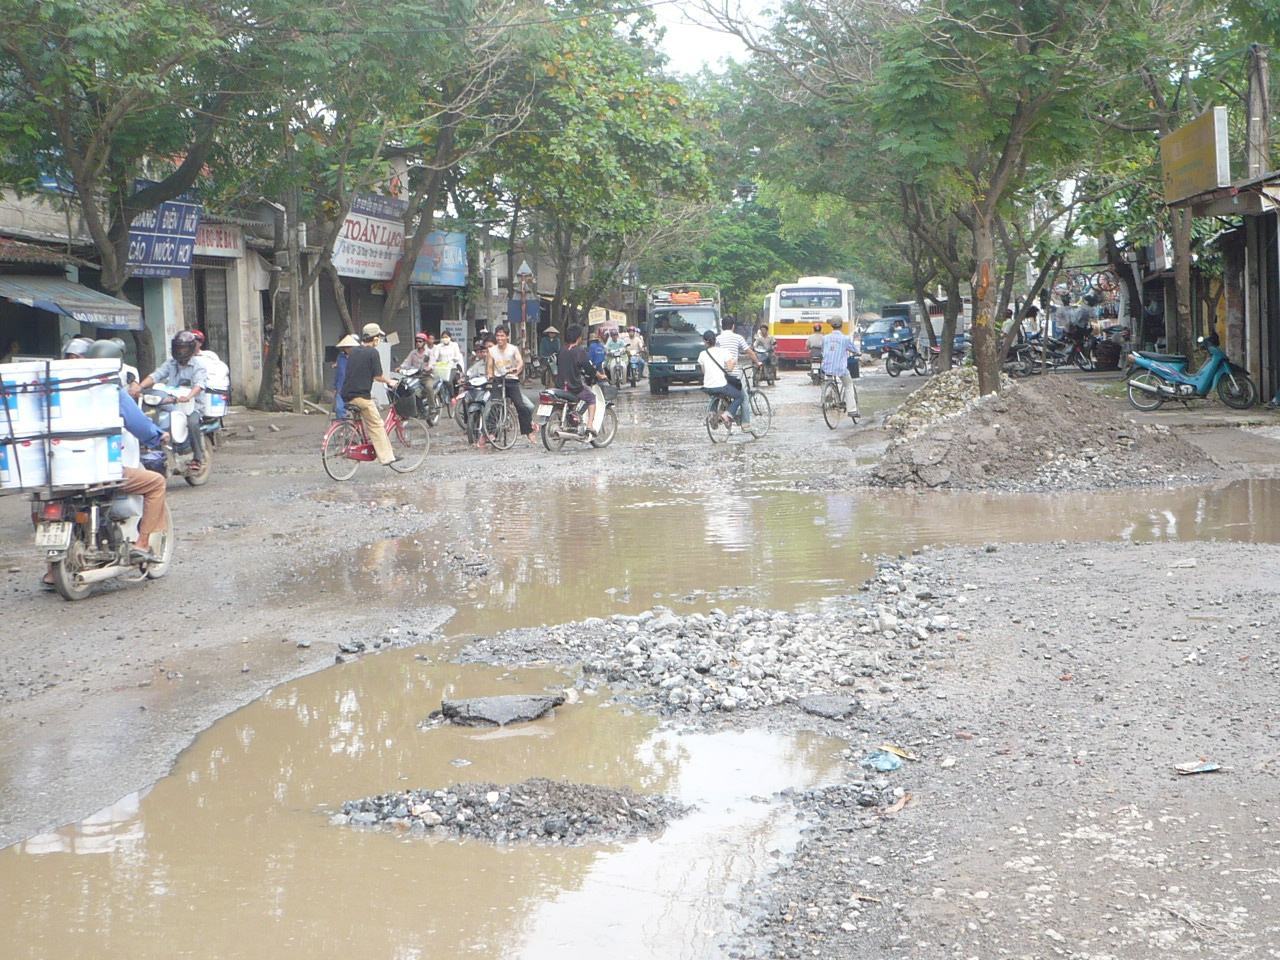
(340, 298)
(985, 341)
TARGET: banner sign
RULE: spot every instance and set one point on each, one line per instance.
(1196, 158)
(372, 239)
(219, 240)
(162, 240)
(442, 262)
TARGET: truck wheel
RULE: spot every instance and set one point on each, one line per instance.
(655, 385)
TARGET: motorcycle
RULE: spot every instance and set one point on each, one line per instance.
(416, 394)
(87, 536)
(473, 401)
(160, 403)
(935, 358)
(563, 416)
(768, 364)
(815, 367)
(635, 369)
(902, 355)
(615, 367)
(1158, 377)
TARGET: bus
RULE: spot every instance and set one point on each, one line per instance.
(793, 308)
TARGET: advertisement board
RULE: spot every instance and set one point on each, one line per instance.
(162, 240)
(371, 242)
(1194, 158)
(442, 262)
(219, 240)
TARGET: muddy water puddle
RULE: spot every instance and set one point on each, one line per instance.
(233, 855)
(612, 547)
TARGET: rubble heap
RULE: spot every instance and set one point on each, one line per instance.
(536, 810)
(1048, 432)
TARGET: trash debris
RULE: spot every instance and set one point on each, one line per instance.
(901, 803)
(1197, 766)
(1186, 564)
(882, 761)
(898, 751)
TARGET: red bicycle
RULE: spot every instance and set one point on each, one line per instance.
(346, 445)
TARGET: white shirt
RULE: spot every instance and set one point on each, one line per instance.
(217, 376)
(449, 353)
(712, 375)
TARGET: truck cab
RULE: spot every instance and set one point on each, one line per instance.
(677, 316)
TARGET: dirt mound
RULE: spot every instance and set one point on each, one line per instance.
(1048, 432)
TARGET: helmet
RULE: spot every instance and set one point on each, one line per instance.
(183, 346)
(107, 349)
(419, 338)
(77, 347)
(199, 335)
(836, 323)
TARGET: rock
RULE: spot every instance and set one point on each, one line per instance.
(830, 707)
(499, 711)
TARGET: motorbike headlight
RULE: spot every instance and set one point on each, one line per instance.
(657, 358)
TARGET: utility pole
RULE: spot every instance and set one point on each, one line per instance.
(1257, 149)
(295, 299)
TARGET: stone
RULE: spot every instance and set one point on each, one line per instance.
(829, 706)
(499, 711)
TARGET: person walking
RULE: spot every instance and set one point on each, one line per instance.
(340, 374)
(364, 368)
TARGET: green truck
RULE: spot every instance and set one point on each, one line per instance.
(677, 315)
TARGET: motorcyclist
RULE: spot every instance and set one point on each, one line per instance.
(814, 343)
(446, 363)
(635, 346)
(215, 371)
(77, 348)
(416, 360)
(596, 351)
(181, 370)
(577, 373)
(615, 349)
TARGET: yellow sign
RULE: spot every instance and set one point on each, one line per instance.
(1194, 158)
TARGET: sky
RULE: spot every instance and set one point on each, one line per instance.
(690, 45)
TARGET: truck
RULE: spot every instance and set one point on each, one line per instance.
(676, 316)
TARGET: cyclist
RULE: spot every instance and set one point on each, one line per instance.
(505, 367)
(736, 345)
(836, 351)
(718, 379)
(364, 366)
(576, 373)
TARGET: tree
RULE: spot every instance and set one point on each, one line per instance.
(105, 95)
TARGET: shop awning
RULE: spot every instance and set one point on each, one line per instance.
(61, 296)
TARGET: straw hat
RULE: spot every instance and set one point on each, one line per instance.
(348, 341)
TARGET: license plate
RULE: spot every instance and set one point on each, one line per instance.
(55, 536)
(544, 409)
(685, 367)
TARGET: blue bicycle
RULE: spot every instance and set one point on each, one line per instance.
(1155, 378)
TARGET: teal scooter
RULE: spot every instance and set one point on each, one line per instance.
(1155, 378)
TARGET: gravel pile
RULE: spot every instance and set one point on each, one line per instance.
(1049, 432)
(944, 396)
(703, 663)
(537, 811)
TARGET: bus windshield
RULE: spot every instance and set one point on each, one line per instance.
(813, 298)
(685, 320)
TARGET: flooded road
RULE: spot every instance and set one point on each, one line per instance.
(621, 548)
(233, 856)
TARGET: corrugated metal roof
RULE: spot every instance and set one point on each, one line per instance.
(17, 251)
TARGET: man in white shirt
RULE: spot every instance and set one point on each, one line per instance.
(717, 363)
(732, 341)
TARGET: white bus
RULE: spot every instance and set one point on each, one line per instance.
(793, 308)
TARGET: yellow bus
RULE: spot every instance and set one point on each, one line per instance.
(793, 308)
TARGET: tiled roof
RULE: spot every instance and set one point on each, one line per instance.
(17, 251)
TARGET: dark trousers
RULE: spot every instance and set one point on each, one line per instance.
(524, 409)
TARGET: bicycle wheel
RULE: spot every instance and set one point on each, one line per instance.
(761, 416)
(832, 405)
(410, 440)
(339, 439)
(717, 428)
(921, 365)
(500, 424)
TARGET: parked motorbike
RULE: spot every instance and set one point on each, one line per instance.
(563, 416)
(902, 355)
(174, 458)
(615, 369)
(635, 369)
(1155, 378)
(87, 536)
(542, 370)
(935, 358)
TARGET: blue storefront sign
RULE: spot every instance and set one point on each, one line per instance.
(162, 240)
(442, 262)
